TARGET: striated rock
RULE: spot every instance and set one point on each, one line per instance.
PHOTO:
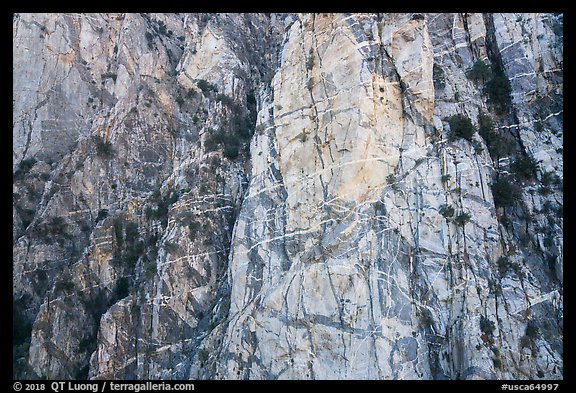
(250, 196)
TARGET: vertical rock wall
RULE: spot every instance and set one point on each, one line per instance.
(282, 196)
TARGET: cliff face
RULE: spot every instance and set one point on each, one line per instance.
(288, 196)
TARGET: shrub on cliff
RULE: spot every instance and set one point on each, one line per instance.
(498, 90)
(460, 127)
(524, 167)
(480, 72)
(505, 192)
(103, 147)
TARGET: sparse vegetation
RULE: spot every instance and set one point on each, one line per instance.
(226, 100)
(310, 60)
(447, 211)
(131, 232)
(150, 39)
(524, 167)
(122, 288)
(505, 192)
(462, 219)
(193, 228)
(24, 168)
(460, 127)
(118, 231)
(53, 227)
(205, 86)
(21, 327)
(103, 147)
(498, 90)
(532, 330)
(64, 284)
(494, 141)
(231, 141)
(203, 356)
(487, 326)
(109, 75)
(480, 72)
(163, 204)
(503, 264)
(150, 270)
(102, 214)
(171, 247)
(129, 246)
(497, 362)
(310, 83)
(438, 76)
(26, 215)
(231, 152)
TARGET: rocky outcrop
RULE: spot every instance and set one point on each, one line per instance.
(288, 196)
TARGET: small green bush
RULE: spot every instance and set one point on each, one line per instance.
(122, 287)
(462, 218)
(118, 231)
(498, 90)
(504, 265)
(150, 40)
(560, 211)
(487, 326)
(310, 83)
(497, 362)
(171, 247)
(549, 178)
(21, 327)
(480, 72)
(310, 60)
(27, 215)
(57, 225)
(131, 232)
(438, 76)
(103, 147)
(102, 214)
(505, 193)
(460, 127)
(210, 144)
(150, 270)
(24, 168)
(231, 139)
(173, 197)
(226, 100)
(497, 147)
(65, 284)
(231, 152)
(205, 86)
(215, 163)
(524, 167)
(447, 211)
(532, 330)
(193, 228)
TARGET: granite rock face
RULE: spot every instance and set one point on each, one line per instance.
(288, 196)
